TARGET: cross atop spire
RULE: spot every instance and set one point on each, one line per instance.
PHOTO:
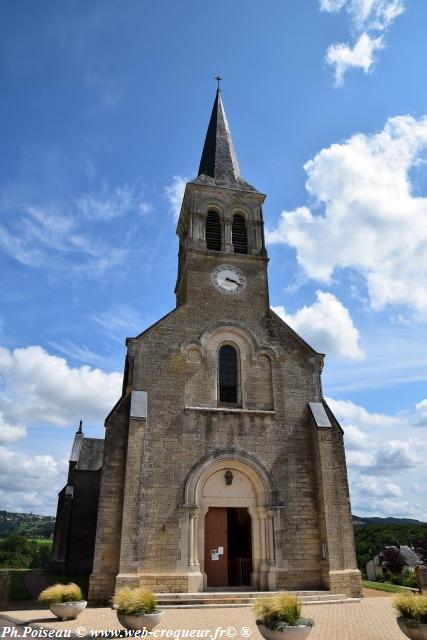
(218, 79)
(218, 165)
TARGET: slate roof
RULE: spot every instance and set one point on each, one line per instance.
(218, 165)
(91, 454)
(319, 414)
(77, 445)
(411, 557)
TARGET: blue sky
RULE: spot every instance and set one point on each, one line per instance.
(104, 107)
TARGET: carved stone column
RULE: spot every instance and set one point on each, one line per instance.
(228, 243)
(193, 529)
(271, 552)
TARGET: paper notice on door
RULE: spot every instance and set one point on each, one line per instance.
(214, 555)
(221, 550)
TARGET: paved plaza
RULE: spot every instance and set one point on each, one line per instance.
(371, 619)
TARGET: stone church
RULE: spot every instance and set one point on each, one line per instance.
(223, 466)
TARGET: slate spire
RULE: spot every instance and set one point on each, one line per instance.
(219, 159)
(218, 164)
(77, 444)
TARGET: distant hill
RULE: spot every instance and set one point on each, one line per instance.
(29, 525)
(361, 520)
(32, 525)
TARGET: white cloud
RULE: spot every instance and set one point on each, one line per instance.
(385, 457)
(371, 14)
(98, 257)
(359, 56)
(30, 483)
(371, 221)
(34, 233)
(80, 353)
(56, 236)
(367, 505)
(386, 461)
(326, 325)
(332, 6)
(397, 349)
(350, 413)
(370, 19)
(10, 432)
(422, 413)
(107, 203)
(372, 439)
(175, 193)
(38, 387)
(371, 486)
(374, 14)
(355, 438)
(122, 320)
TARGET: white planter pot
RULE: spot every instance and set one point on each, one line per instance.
(67, 610)
(299, 632)
(415, 633)
(147, 621)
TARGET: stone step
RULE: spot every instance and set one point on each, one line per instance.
(235, 594)
(247, 605)
(240, 599)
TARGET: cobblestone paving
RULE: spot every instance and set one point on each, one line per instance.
(4, 624)
(371, 619)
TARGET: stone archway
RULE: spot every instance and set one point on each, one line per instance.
(252, 488)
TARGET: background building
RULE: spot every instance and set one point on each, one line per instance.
(75, 527)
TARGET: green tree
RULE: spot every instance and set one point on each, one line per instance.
(17, 552)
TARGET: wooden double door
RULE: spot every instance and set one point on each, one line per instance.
(228, 547)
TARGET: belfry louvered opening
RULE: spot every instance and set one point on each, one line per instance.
(213, 231)
(228, 374)
(239, 234)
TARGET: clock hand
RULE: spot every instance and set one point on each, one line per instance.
(231, 280)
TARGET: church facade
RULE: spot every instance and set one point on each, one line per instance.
(223, 466)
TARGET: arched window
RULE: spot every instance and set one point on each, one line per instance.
(228, 374)
(213, 231)
(239, 234)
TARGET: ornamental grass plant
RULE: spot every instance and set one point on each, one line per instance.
(280, 611)
(59, 593)
(134, 602)
(412, 608)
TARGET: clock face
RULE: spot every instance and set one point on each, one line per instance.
(228, 279)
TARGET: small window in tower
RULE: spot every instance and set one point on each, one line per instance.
(228, 374)
(213, 231)
(239, 234)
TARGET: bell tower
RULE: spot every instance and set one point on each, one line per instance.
(223, 465)
(220, 225)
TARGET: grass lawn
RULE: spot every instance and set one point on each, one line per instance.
(18, 590)
(82, 581)
(43, 542)
(383, 586)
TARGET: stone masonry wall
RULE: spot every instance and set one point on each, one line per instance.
(175, 438)
(109, 524)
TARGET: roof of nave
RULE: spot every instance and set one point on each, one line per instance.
(91, 454)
